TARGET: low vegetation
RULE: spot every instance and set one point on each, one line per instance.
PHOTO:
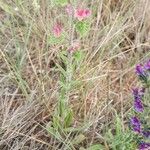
(74, 75)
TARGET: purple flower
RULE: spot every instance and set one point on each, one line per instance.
(138, 106)
(146, 134)
(140, 71)
(144, 146)
(136, 125)
(138, 93)
(147, 65)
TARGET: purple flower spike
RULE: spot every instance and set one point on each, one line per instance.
(147, 65)
(136, 125)
(138, 106)
(146, 134)
(144, 146)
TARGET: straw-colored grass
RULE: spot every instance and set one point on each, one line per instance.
(118, 39)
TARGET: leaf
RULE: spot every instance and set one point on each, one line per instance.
(62, 85)
(75, 83)
(96, 147)
(68, 118)
(82, 28)
(118, 124)
(72, 129)
(7, 8)
(60, 2)
(61, 107)
(64, 57)
(63, 53)
(55, 40)
(78, 139)
(110, 135)
(52, 131)
(120, 140)
(61, 70)
(78, 55)
(56, 123)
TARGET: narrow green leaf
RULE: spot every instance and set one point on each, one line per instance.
(60, 2)
(61, 70)
(61, 107)
(55, 40)
(56, 123)
(78, 139)
(7, 8)
(68, 118)
(96, 147)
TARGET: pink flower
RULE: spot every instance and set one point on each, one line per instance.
(69, 9)
(81, 14)
(57, 30)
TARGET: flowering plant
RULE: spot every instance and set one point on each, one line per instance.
(139, 121)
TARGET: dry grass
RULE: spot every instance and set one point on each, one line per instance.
(29, 81)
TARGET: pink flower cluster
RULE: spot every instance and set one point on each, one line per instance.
(79, 13)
